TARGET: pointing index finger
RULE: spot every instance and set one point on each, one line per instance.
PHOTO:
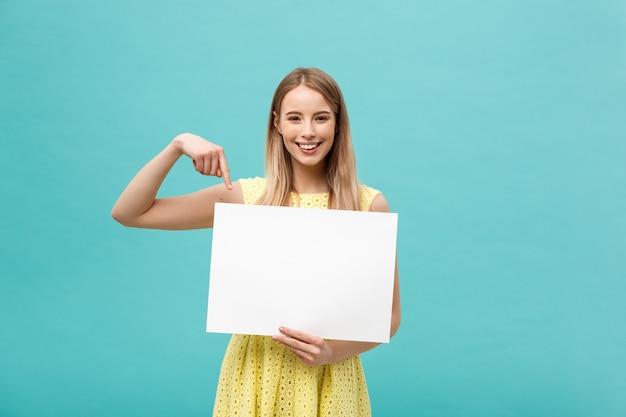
(225, 171)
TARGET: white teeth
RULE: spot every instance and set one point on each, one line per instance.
(308, 146)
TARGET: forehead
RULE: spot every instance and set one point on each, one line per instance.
(304, 99)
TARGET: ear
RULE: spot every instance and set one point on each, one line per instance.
(276, 124)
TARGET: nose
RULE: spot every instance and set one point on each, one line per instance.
(308, 130)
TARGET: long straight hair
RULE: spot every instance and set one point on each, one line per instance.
(340, 161)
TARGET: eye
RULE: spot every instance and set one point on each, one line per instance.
(323, 117)
(293, 118)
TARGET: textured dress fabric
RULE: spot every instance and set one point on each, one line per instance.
(262, 378)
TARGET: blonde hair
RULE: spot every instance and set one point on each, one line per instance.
(340, 161)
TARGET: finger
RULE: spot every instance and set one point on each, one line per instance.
(299, 348)
(303, 356)
(301, 341)
(225, 172)
(198, 164)
(206, 165)
(215, 163)
(298, 334)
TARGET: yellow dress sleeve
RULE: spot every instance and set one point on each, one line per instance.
(252, 188)
(366, 196)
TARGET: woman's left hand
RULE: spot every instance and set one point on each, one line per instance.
(311, 350)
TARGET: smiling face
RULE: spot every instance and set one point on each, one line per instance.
(307, 124)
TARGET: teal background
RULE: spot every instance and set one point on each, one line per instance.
(495, 129)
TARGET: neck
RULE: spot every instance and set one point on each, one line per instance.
(310, 180)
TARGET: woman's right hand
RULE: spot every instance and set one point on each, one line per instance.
(138, 205)
(208, 158)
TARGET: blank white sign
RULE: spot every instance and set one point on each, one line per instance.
(326, 272)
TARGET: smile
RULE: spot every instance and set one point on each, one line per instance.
(309, 146)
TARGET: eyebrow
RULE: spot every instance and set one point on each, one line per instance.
(315, 114)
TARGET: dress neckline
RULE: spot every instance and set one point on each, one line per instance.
(293, 192)
(310, 200)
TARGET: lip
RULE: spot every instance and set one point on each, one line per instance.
(309, 151)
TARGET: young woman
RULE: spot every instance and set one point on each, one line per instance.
(310, 162)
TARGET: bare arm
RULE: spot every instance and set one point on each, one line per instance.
(314, 350)
(138, 205)
(380, 205)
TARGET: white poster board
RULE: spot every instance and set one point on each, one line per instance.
(326, 272)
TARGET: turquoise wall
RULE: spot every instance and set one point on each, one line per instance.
(495, 129)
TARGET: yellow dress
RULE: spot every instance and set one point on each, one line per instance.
(262, 378)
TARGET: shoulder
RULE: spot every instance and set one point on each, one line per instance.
(380, 204)
(252, 188)
(372, 199)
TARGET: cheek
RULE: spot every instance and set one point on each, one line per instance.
(287, 130)
(328, 129)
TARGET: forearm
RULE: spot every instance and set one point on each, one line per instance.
(141, 192)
